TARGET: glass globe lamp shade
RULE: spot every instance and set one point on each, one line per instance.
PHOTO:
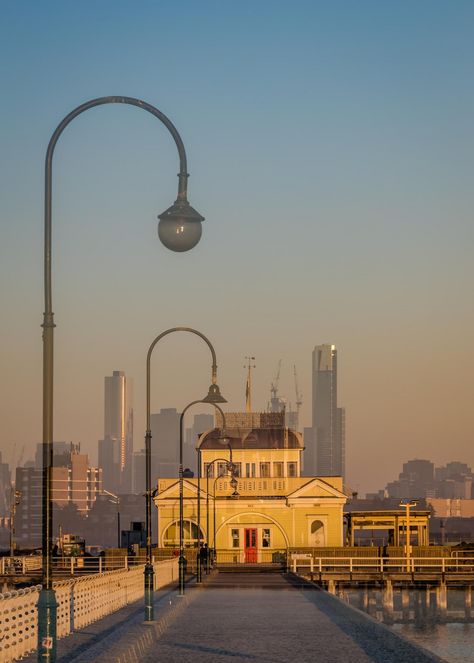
(179, 228)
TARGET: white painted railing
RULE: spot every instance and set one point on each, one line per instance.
(81, 601)
(312, 564)
(16, 565)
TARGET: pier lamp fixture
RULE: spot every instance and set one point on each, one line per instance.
(213, 397)
(408, 504)
(233, 485)
(179, 230)
(229, 468)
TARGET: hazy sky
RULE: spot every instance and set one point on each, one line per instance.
(330, 147)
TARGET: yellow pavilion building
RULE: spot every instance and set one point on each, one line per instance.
(265, 507)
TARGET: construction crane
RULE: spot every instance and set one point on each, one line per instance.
(248, 387)
(275, 405)
(299, 397)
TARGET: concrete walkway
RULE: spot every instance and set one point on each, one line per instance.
(258, 618)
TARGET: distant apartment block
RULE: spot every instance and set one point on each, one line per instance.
(74, 481)
(420, 479)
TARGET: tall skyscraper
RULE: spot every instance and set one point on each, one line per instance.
(116, 449)
(325, 440)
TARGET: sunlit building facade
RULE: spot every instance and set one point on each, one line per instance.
(271, 507)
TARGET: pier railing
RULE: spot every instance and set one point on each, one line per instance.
(333, 565)
(81, 601)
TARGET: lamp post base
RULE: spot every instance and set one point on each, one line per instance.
(182, 571)
(47, 631)
(149, 586)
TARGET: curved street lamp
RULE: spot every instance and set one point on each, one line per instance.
(214, 396)
(233, 484)
(211, 399)
(229, 468)
(179, 229)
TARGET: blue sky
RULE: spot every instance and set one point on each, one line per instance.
(330, 147)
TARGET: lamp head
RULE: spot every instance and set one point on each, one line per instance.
(233, 485)
(214, 395)
(180, 227)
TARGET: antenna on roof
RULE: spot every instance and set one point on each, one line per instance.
(248, 386)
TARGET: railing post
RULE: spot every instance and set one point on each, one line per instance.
(126, 563)
(23, 565)
(350, 564)
(320, 565)
(100, 564)
(72, 566)
(443, 565)
(294, 564)
(312, 564)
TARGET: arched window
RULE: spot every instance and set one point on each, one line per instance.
(190, 535)
(318, 535)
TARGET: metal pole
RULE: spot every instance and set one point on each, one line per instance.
(181, 561)
(119, 538)
(198, 560)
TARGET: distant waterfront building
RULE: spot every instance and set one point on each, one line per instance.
(164, 449)
(325, 439)
(201, 423)
(5, 488)
(73, 481)
(419, 479)
(116, 449)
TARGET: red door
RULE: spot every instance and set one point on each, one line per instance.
(250, 546)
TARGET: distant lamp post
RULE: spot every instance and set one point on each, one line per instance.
(179, 230)
(214, 396)
(408, 504)
(117, 503)
(15, 498)
(229, 467)
(233, 485)
(212, 399)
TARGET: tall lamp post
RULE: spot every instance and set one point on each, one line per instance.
(233, 484)
(213, 396)
(213, 400)
(408, 504)
(229, 468)
(179, 230)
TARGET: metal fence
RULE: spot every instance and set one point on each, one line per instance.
(81, 601)
(307, 563)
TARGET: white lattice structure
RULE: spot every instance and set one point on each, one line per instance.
(80, 602)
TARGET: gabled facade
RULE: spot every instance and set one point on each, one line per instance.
(271, 507)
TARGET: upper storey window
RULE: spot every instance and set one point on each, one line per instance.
(265, 469)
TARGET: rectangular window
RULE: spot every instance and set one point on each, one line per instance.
(265, 470)
(291, 469)
(278, 470)
(250, 470)
(209, 468)
(238, 469)
(221, 469)
(235, 538)
(266, 538)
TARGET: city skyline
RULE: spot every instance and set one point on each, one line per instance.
(332, 164)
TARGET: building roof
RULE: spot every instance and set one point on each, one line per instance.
(253, 438)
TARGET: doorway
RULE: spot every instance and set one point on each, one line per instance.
(250, 545)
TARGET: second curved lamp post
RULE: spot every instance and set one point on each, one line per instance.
(213, 396)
